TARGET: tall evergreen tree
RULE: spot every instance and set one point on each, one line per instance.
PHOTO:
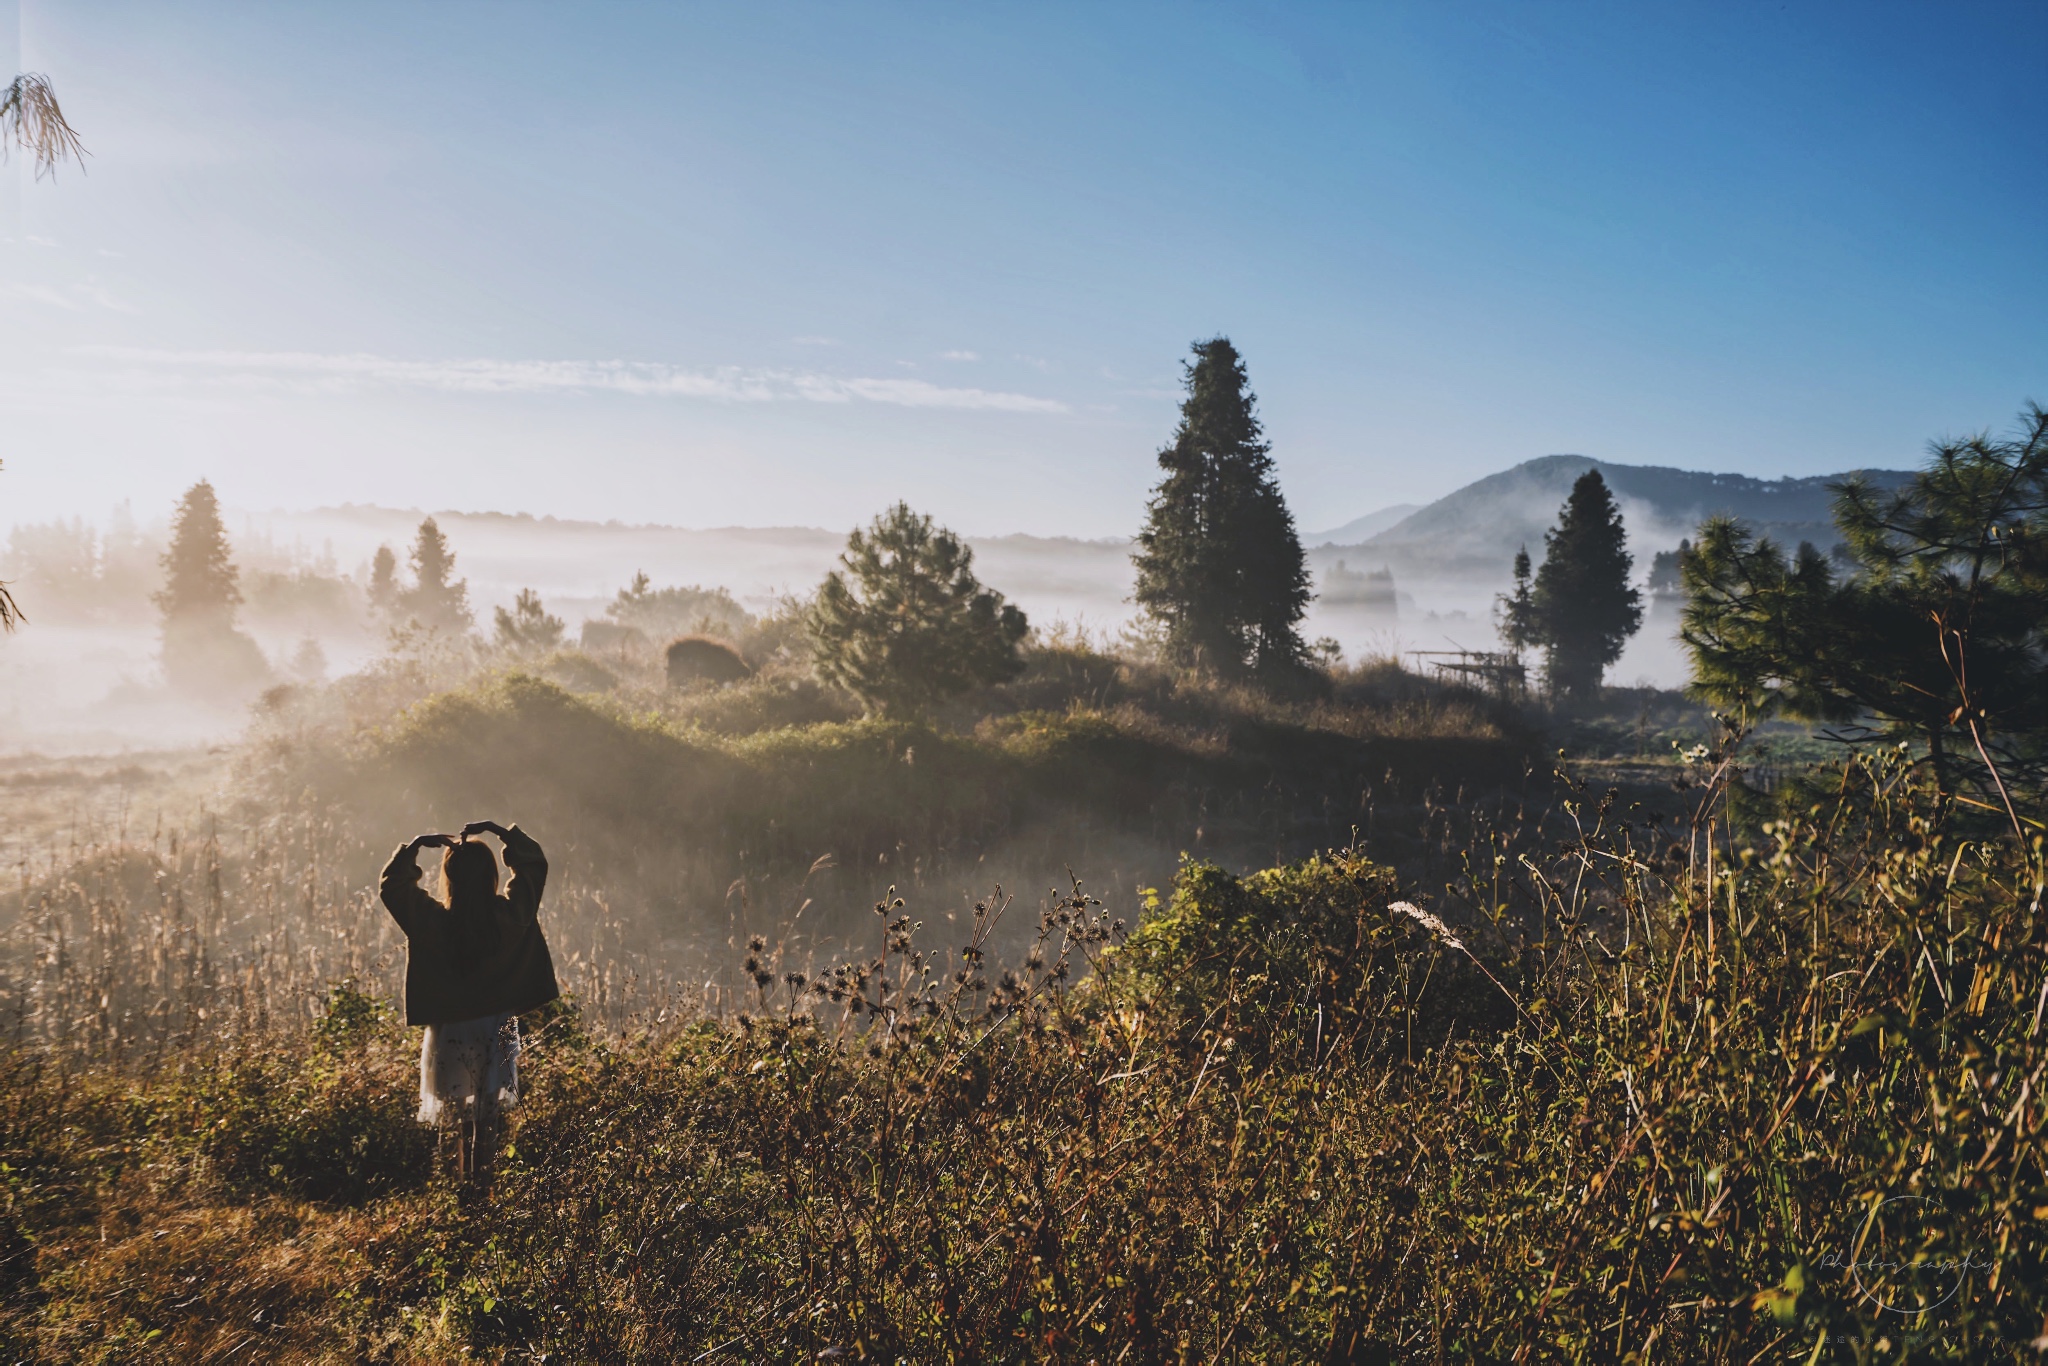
(203, 652)
(907, 623)
(1514, 614)
(1220, 566)
(437, 598)
(383, 590)
(1581, 609)
(200, 579)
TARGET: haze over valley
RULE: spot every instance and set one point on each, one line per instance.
(84, 674)
(1051, 683)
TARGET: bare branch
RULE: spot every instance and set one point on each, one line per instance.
(31, 120)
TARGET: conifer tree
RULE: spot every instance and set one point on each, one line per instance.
(907, 623)
(668, 611)
(383, 589)
(200, 579)
(1936, 633)
(1581, 609)
(203, 651)
(436, 599)
(1219, 563)
(309, 662)
(1514, 614)
(528, 628)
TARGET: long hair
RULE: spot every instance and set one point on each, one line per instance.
(471, 872)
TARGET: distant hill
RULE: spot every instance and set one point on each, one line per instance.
(1473, 533)
(1360, 528)
(577, 566)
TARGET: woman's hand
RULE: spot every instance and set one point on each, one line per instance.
(420, 842)
(483, 828)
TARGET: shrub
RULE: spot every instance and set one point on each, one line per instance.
(577, 671)
(704, 659)
(334, 1123)
(1311, 950)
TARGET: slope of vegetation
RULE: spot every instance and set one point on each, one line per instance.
(1637, 1094)
(668, 801)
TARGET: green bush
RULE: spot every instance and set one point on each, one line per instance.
(333, 1123)
(1310, 953)
(577, 672)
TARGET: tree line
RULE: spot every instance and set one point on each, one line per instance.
(1929, 623)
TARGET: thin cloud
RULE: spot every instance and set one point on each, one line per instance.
(41, 294)
(729, 383)
(72, 297)
(959, 355)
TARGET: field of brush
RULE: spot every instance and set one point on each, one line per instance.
(1101, 1018)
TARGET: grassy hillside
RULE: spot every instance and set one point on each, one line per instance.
(1647, 1096)
(1414, 1053)
(1114, 771)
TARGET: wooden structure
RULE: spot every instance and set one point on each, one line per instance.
(1503, 675)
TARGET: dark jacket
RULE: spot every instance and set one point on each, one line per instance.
(462, 964)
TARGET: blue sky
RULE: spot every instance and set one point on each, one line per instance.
(783, 264)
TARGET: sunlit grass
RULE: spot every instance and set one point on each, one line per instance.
(1651, 1103)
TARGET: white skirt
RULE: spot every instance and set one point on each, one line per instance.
(469, 1060)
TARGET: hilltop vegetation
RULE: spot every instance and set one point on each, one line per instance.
(1083, 761)
(1645, 1095)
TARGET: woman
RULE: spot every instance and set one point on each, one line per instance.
(472, 965)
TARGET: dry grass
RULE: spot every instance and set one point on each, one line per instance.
(1282, 1120)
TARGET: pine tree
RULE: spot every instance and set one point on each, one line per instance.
(202, 650)
(1582, 608)
(1937, 632)
(527, 629)
(1514, 614)
(436, 599)
(200, 579)
(383, 590)
(671, 611)
(1219, 564)
(309, 662)
(907, 623)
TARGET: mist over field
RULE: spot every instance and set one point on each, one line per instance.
(857, 682)
(84, 675)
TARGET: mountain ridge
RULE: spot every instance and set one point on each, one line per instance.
(1473, 531)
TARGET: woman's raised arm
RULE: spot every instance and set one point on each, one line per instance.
(399, 885)
(529, 868)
